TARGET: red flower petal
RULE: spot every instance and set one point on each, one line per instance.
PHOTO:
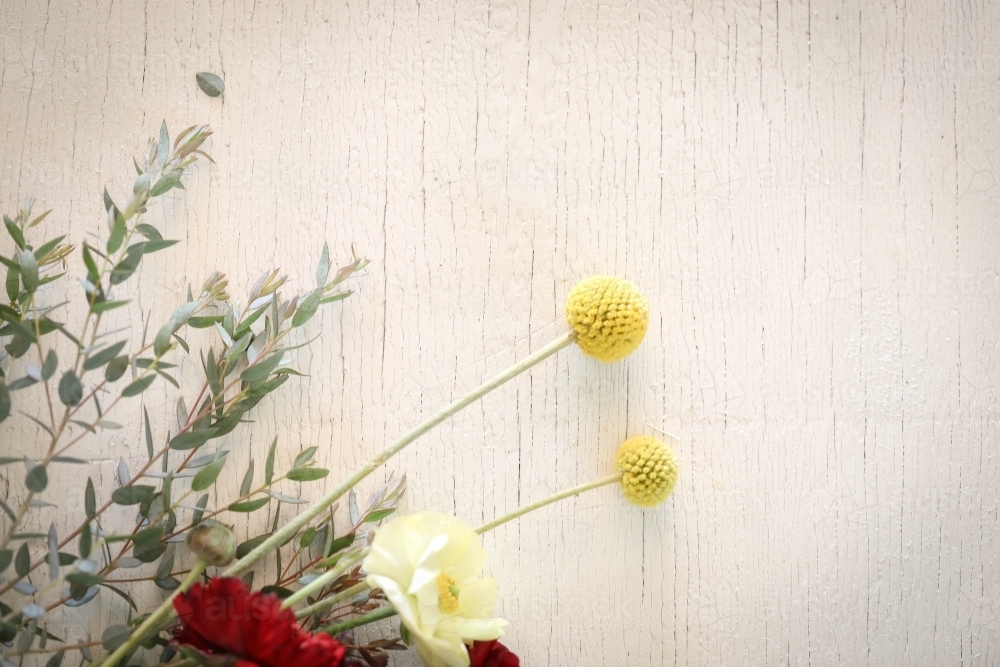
(491, 654)
(224, 617)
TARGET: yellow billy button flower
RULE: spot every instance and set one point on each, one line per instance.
(427, 565)
(609, 315)
(649, 470)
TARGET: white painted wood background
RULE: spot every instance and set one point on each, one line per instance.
(807, 192)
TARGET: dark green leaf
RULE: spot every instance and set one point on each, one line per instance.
(210, 84)
(207, 475)
(251, 544)
(84, 579)
(70, 389)
(261, 368)
(304, 457)
(340, 544)
(14, 231)
(149, 231)
(247, 480)
(149, 553)
(164, 185)
(105, 306)
(307, 538)
(13, 283)
(204, 321)
(89, 499)
(192, 439)
(56, 660)
(50, 365)
(104, 356)
(19, 345)
(374, 517)
(124, 269)
(269, 463)
(37, 479)
(307, 308)
(22, 562)
(249, 505)
(138, 386)
(115, 636)
(132, 495)
(4, 402)
(147, 247)
(116, 368)
(148, 536)
(6, 556)
(85, 540)
(168, 584)
(307, 474)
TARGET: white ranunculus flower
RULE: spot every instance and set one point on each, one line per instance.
(427, 565)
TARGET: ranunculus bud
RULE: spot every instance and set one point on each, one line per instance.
(213, 542)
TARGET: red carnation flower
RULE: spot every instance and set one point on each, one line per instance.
(491, 654)
(228, 625)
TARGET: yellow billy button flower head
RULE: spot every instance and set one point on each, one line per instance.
(428, 565)
(649, 470)
(609, 315)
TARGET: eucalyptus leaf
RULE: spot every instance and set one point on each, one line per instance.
(70, 389)
(260, 370)
(104, 356)
(249, 505)
(323, 270)
(50, 365)
(269, 463)
(210, 84)
(304, 457)
(162, 341)
(116, 368)
(138, 386)
(89, 595)
(149, 553)
(307, 308)
(29, 270)
(192, 439)
(246, 547)
(53, 556)
(132, 495)
(115, 636)
(247, 480)
(307, 474)
(22, 562)
(89, 499)
(207, 475)
(37, 479)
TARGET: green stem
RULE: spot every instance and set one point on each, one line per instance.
(292, 527)
(327, 577)
(371, 617)
(566, 493)
(326, 603)
(156, 618)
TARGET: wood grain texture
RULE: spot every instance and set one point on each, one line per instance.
(806, 191)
